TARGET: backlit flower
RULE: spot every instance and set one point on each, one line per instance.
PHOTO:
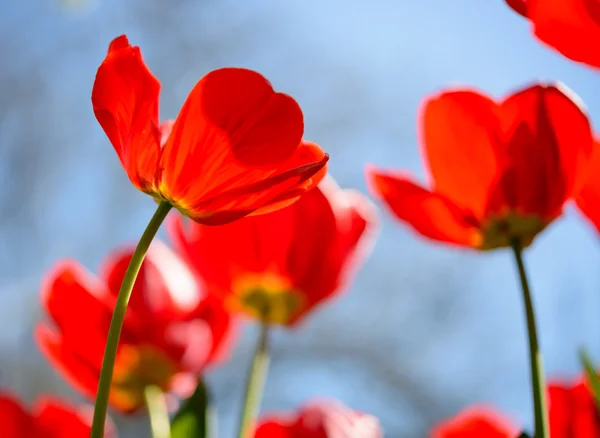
(171, 331)
(277, 267)
(234, 150)
(325, 419)
(571, 27)
(49, 418)
(573, 413)
(499, 171)
(476, 422)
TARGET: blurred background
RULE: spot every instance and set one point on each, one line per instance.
(425, 330)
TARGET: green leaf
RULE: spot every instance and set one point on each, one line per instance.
(592, 376)
(195, 418)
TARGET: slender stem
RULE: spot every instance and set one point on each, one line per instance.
(157, 411)
(255, 383)
(538, 385)
(116, 324)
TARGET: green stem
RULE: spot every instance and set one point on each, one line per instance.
(255, 383)
(116, 324)
(157, 411)
(535, 356)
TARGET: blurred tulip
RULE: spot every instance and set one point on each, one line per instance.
(573, 412)
(278, 267)
(572, 27)
(324, 419)
(172, 331)
(500, 171)
(49, 418)
(476, 422)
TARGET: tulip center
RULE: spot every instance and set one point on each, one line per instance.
(267, 297)
(136, 367)
(501, 231)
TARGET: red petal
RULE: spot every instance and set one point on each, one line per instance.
(81, 375)
(209, 249)
(222, 326)
(273, 429)
(59, 420)
(14, 420)
(549, 140)
(519, 6)
(165, 290)
(307, 152)
(572, 411)
(570, 26)
(125, 101)
(356, 225)
(588, 200)
(459, 139)
(476, 422)
(232, 122)
(333, 419)
(320, 419)
(326, 225)
(275, 191)
(67, 290)
(430, 214)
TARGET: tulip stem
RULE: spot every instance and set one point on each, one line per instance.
(157, 411)
(255, 383)
(116, 324)
(535, 356)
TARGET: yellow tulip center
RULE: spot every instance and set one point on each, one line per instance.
(136, 367)
(502, 230)
(267, 297)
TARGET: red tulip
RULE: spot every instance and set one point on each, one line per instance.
(571, 27)
(234, 150)
(278, 267)
(573, 412)
(49, 418)
(325, 419)
(500, 171)
(476, 422)
(171, 332)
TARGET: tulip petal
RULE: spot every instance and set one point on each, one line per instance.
(519, 6)
(81, 375)
(273, 429)
(15, 421)
(308, 152)
(165, 289)
(275, 191)
(57, 420)
(459, 140)
(571, 27)
(232, 122)
(125, 101)
(588, 199)
(549, 142)
(357, 226)
(80, 307)
(475, 422)
(572, 411)
(431, 214)
(320, 418)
